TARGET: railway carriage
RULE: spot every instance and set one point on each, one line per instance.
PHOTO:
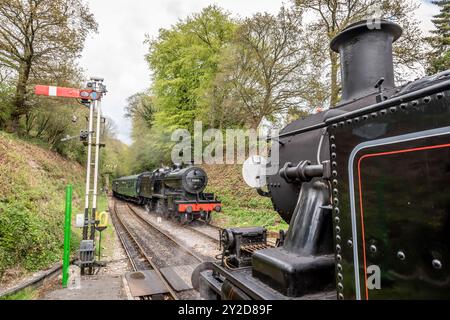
(127, 187)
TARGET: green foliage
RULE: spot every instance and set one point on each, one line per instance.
(262, 75)
(26, 294)
(115, 159)
(50, 120)
(256, 211)
(242, 206)
(142, 106)
(151, 147)
(184, 61)
(32, 186)
(6, 102)
(41, 40)
(24, 238)
(439, 58)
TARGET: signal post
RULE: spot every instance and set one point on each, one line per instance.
(90, 97)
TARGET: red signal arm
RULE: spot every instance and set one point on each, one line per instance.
(63, 92)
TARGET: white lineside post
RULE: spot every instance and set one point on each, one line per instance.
(96, 165)
(88, 170)
(87, 245)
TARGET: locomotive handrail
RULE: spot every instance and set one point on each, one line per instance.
(439, 87)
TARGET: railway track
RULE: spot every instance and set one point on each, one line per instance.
(139, 259)
(148, 248)
(206, 231)
(165, 236)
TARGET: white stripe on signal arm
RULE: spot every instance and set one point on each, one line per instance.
(52, 91)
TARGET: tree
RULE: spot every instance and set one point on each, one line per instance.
(184, 61)
(115, 157)
(265, 65)
(40, 38)
(332, 16)
(6, 101)
(141, 105)
(439, 58)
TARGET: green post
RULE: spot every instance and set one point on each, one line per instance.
(67, 224)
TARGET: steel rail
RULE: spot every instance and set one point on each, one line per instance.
(149, 259)
(166, 235)
(122, 239)
(204, 234)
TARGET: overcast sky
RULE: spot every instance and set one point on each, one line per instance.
(117, 52)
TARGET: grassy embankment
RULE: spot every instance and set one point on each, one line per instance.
(32, 187)
(242, 206)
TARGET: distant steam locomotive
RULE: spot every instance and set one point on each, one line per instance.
(175, 192)
(365, 188)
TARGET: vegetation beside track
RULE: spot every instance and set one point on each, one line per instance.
(242, 206)
(32, 186)
(27, 294)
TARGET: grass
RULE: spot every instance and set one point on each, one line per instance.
(26, 294)
(242, 206)
(32, 188)
(108, 235)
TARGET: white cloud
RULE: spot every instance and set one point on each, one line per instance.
(425, 13)
(117, 52)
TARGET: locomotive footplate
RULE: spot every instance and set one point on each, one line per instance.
(239, 284)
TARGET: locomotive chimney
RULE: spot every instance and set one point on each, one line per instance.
(365, 50)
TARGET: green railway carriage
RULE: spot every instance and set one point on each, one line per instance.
(127, 186)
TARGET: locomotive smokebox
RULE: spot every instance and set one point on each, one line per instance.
(365, 50)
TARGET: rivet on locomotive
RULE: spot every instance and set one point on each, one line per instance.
(175, 192)
(364, 186)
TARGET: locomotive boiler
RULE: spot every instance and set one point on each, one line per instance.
(175, 192)
(364, 187)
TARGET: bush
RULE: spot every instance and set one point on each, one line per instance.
(25, 239)
(32, 184)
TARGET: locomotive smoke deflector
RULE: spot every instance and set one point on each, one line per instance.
(365, 50)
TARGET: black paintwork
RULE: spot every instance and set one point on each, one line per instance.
(406, 201)
(164, 189)
(192, 179)
(404, 189)
(366, 57)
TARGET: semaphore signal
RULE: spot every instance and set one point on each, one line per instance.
(90, 97)
(53, 91)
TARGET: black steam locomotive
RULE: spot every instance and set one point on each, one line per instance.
(175, 192)
(365, 188)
